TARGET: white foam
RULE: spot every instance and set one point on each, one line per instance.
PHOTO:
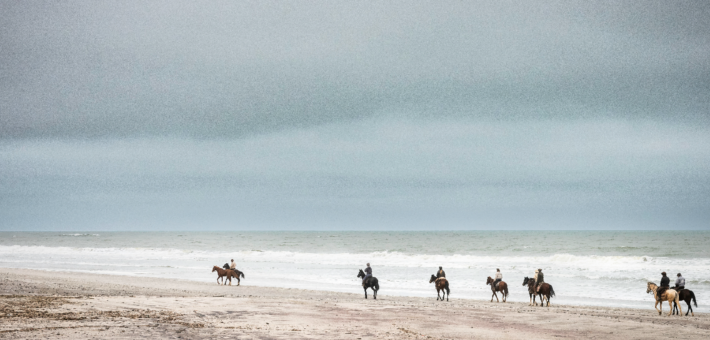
(575, 277)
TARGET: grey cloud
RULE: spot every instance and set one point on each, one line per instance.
(380, 172)
(557, 114)
(87, 69)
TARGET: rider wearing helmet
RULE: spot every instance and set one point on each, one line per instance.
(440, 273)
(368, 274)
(499, 277)
(539, 280)
(665, 284)
(679, 283)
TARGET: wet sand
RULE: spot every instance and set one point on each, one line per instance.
(42, 304)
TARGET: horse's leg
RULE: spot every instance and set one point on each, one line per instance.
(656, 307)
(365, 288)
(680, 307)
(496, 295)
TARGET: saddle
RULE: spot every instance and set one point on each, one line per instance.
(441, 279)
(366, 282)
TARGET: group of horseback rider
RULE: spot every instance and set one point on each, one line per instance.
(539, 277)
(665, 284)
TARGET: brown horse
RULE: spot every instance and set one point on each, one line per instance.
(546, 292)
(227, 274)
(442, 285)
(502, 287)
(686, 295)
(669, 295)
(235, 273)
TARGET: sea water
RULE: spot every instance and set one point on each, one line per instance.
(604, 268)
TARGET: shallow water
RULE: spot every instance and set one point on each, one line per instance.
(605, 268)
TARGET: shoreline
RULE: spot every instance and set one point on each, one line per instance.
(316, 289)
(81, 305)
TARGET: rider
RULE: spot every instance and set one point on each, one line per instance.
(679, 283)
(440, 273)
(368, 274)
(665, 284)
(233, 265)
(499, 277)
(539, 279)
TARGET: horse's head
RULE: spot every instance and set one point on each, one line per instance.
(489, 280)
(361, 273)
(214, 268)
(525, 281)
(650, 287)
(432, 279)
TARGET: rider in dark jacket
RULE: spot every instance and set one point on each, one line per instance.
(368, 274)
(440, 273)
(540, 279)
(665, 284)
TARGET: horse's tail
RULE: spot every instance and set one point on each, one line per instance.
(692, 295)
(376, 284)
(448, 291)
(505, 289)
(552, 291)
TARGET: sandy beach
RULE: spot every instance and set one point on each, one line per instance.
(43, 304)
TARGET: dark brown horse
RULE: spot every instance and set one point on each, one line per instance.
(686, 295)
(235, 273)
(370, 283)
(442, 285)
(546, 292)
(501, 287)
(227, 274)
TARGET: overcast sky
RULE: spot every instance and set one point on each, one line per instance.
(354, 115)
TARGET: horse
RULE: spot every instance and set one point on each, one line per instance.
(234, 273)
(370, 283)
(686, 295)
(442, 284)
(501, 287)
(227, 274)
(546, 291)
(669, 295)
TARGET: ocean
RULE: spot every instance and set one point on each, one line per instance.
(602, 268)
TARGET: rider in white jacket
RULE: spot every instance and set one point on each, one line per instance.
(499, 276)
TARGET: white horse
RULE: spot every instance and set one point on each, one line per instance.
(669, 295)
